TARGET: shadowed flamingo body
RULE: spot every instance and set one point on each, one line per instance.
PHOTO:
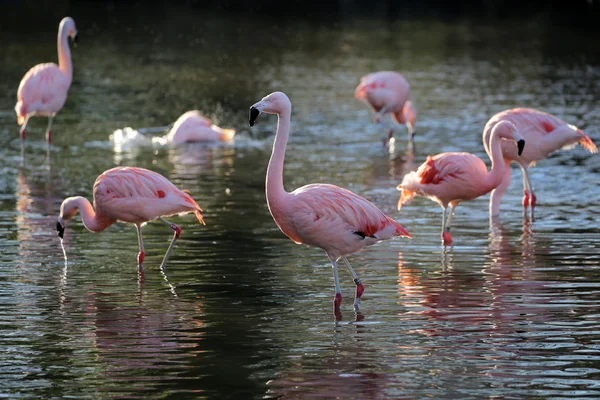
(322, 215)
(449, 178)
(387, 92)
(193, 127)
(133, 195)
(43, 89)
(545, 134)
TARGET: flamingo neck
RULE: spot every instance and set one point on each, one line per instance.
(64, 53)
(496, 174)
(498, 192)
(274, 185)
(90, 219)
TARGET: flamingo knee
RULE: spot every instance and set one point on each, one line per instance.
(446, 238)
(177, 230)
(337, 301)
(141, 256)
(532, 200)
(525, 198)
(360, 288)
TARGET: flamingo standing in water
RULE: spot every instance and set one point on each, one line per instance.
(133, 195)
(386, 92)
(327, 216)
(449, 178)
(43, 89)
(545, 133)
(193, 127)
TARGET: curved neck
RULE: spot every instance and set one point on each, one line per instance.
(89, 217)
(496, 174)
(64, 53)
(274, 186)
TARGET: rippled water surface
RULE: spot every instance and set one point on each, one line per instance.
(510, 311)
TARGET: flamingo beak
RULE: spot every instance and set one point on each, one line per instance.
(520, 146)
(60, 230)
(254, 113)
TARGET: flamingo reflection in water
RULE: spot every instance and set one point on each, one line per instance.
(483, 302)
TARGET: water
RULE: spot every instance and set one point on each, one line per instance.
(509, 311)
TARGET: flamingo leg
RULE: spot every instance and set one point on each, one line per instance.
(359, 286)
(529, 198)
(176, 234)
(411, 132)
(22, 131)
(49, 130)
(142, 253)
(446, 237)
(532, 198)
(337, 300)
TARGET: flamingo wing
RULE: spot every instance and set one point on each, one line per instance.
(449, 176)
(320, 208)
(137, 195)
(192, 127)
(383, 89)
(43, 89)
(536, 125)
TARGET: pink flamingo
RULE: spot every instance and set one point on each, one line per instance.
(449, 178)
(43, 89)
(545, 133)
(327, 216)
(386, 92)
(193, 127)
(133, 195)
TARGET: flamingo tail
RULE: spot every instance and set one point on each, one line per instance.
(227, 135)
(21, 111)
(587, 144)
(400, 231)
(198, 214)
(405, 197)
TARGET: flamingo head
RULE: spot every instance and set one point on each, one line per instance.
(67, 25)
(60, 228)
(68, 209)
(507, 130)
(275, 103)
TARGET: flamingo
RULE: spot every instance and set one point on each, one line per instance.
(386, 92)
(322, 215)
(43, 89)
(193, 127)
(132, 195)
(449, 178)
(545, 133)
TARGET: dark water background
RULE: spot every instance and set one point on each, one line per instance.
(509, 311)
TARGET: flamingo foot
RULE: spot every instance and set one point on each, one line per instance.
(446, 238)
(360, 289)
(525, 198)
(141, 256)
(337, 301)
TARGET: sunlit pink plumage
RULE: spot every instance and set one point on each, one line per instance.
(43, 89)
(193, 127)
(387, 92)
(449, 178)
(544, 134)
(327, 216)
(133, 195)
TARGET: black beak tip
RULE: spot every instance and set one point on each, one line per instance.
(75, 40)
(60, 230)
(520, 146)
(254, 112)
